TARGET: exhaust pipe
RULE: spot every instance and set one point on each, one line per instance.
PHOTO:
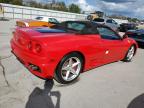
(34, 67)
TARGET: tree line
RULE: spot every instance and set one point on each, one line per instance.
(124, 18)
(60, 6)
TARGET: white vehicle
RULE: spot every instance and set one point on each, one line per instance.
(109, 22)
(47, 19)
(120, 21)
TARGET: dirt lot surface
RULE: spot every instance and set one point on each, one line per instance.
(111, 86)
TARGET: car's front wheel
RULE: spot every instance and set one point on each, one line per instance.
(69, 68)
(130, 54)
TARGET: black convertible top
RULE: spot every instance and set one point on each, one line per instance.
(88, 24)
(63, 27)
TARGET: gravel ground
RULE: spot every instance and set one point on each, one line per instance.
(116, 85)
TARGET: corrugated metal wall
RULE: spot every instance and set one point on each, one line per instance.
(22, 12)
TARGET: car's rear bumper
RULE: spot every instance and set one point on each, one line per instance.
(45, 69)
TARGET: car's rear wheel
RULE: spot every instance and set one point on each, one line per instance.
(130, 54)
(69, 68)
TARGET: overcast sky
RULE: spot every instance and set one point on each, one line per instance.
(133, 8)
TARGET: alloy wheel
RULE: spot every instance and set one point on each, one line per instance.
(71, 68)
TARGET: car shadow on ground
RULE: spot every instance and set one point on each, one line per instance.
(141, 46)
(42, 98)
(138, 102)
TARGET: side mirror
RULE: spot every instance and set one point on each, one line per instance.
(124, 36)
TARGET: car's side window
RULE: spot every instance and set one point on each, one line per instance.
(52, 20)
(114, 22)
(107, 33)
(49, 20)
(89, 30)
(109, 21)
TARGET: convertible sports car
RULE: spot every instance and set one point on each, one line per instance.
(124, 27)
(137, 35)
(69, 49)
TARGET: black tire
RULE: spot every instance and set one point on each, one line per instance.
(58, 74)
(127, 59)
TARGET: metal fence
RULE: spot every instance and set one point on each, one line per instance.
(22, 12)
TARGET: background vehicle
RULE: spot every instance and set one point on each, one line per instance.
(37, 22)
(96, 14)
(47, 19)
(74, 47)
(127, 26)
(120, 21)
(1, 9)
(109, 22)
(137, 35)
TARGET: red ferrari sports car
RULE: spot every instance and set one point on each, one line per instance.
(68, 49)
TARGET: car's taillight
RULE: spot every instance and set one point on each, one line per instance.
(34, 47)
(13, 32)
(38, 48)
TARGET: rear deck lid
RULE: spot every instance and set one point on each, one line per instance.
(48, 30)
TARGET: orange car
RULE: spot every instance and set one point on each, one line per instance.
(37, 22)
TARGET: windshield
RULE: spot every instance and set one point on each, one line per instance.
(53, 20)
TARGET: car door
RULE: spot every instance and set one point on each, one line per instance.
(142, 39)
(93, 48)
(113, 46)
(139, 37)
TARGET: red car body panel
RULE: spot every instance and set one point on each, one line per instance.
(54, 46)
